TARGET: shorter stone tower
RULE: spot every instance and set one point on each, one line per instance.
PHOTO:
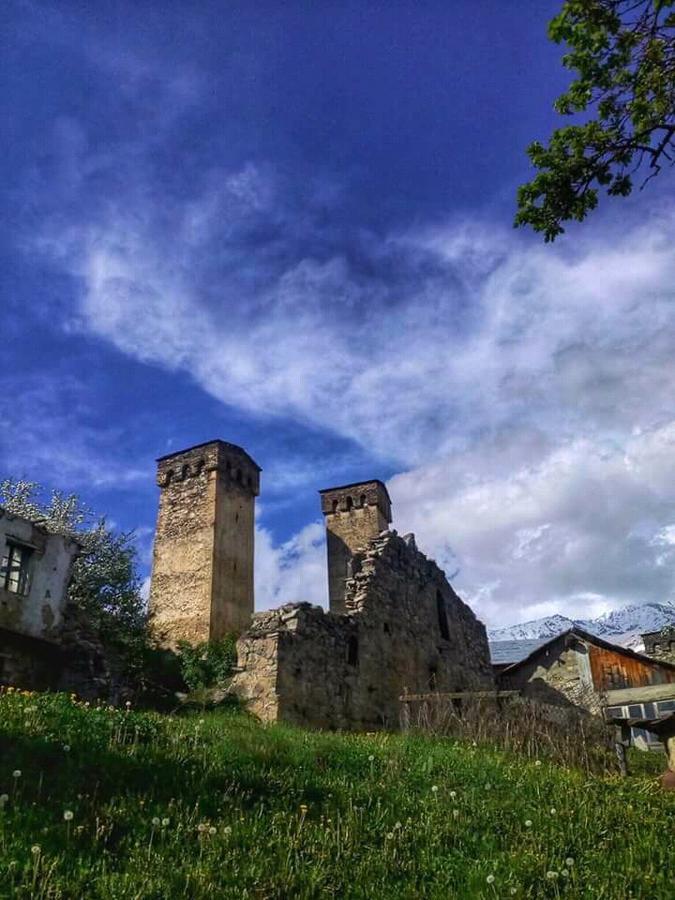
(355, 514)
(202, 567)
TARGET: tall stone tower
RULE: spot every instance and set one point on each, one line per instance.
(355, 513)
(202, 566)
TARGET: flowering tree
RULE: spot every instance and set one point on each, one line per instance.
(104, 582)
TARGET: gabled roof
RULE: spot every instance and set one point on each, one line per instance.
(577, 632)
(504, 653)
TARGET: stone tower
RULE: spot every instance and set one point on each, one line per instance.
(355, 513)
(202, 566)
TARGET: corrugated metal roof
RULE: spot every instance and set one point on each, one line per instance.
(506, 652)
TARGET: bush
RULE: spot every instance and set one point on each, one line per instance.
(208, 664)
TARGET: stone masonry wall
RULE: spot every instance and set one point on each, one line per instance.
(404, 628)
(559, 675)
(661, 644)
(202, 569)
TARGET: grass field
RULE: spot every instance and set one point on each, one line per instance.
(118, 804)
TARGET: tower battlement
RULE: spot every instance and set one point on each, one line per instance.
(355, 514)
(202, 569)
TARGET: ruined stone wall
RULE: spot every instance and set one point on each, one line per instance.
(202, 572)
(354, 515)
(661, 644)
(39, 611)
(404, 628)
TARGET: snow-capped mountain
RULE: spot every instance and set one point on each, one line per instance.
(621, 626)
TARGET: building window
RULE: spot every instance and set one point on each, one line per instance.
(353, 651)
(442, 617)
(14, 569)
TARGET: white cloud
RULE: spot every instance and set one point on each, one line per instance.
(524, 391)
(292, 572)
(578, 529)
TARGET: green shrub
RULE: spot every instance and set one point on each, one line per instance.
(208, 664)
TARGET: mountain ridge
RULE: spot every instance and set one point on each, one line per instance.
(622, 626)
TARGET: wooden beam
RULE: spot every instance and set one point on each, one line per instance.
(646, 694)
(459, 695)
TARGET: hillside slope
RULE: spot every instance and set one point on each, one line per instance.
(104, 803)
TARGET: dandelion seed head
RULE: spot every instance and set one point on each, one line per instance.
(68, 815)
(569, 862)
(212, 830)
(490, 879)
(35, 849)
(528, 823)
(453, 794)
(434, 788)
(3, 799)
(537, 762)
(371, 758)
(16, 773)
(390, 835)
(564, 873)
(227, 829)
(455, 814)
(66, 748)
(165, 822)
(551, 876)
(155, 821)
(554, 811)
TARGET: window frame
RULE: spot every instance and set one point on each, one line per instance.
(8, 568)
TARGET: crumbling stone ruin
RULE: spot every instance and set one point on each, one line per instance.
(403, 627)
(661, 644)
(394, 621)
(202, 568)
(354, 514)
(34, 572)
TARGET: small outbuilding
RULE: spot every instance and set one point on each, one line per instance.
(579, 669)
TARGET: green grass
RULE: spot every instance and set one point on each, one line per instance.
(217, 806)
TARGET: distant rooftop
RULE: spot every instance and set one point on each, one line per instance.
(507, 652)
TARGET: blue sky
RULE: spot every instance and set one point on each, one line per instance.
(288, 225)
